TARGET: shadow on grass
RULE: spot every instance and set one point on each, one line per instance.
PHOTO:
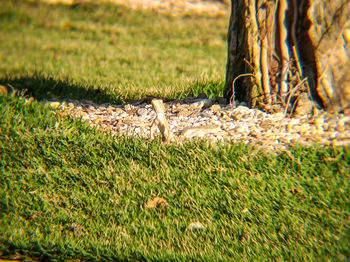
(48, 88)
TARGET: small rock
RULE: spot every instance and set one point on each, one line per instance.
(184, 113)
(199, 131)
(241, 129)
(128, 107)
(255, 134)
(123, 114)
(141, 112)
(195, 226)
(201, 104)
(102, 108)
(242, 109)
(215, 108)
(118, 110)
(132, 111)
(237, 117)
(304, 105)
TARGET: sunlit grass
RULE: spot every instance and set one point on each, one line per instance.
(70, 192)
(122, 52)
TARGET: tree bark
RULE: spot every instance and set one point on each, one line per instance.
(273, 45)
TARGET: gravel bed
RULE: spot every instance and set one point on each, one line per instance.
(193, 118)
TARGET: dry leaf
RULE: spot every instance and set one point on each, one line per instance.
(156, 202)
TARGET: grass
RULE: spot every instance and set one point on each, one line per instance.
(71, 193)
(110, 49)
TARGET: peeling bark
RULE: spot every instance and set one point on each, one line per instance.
(283, 42)
(284, 47)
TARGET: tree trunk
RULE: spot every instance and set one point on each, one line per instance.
(278, 50)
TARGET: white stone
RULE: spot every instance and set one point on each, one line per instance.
(141, 112)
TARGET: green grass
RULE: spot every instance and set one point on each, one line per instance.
(113, 50)
(69, 192)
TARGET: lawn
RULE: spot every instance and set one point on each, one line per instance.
(110, 50)
(70, 193)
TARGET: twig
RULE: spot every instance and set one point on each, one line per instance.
(247, 62)
(233, 83)
(290, 94)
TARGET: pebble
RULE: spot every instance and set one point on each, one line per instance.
(141, 112)
(193, 118)
(215, 108)
(184, 113)
(201, 104)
